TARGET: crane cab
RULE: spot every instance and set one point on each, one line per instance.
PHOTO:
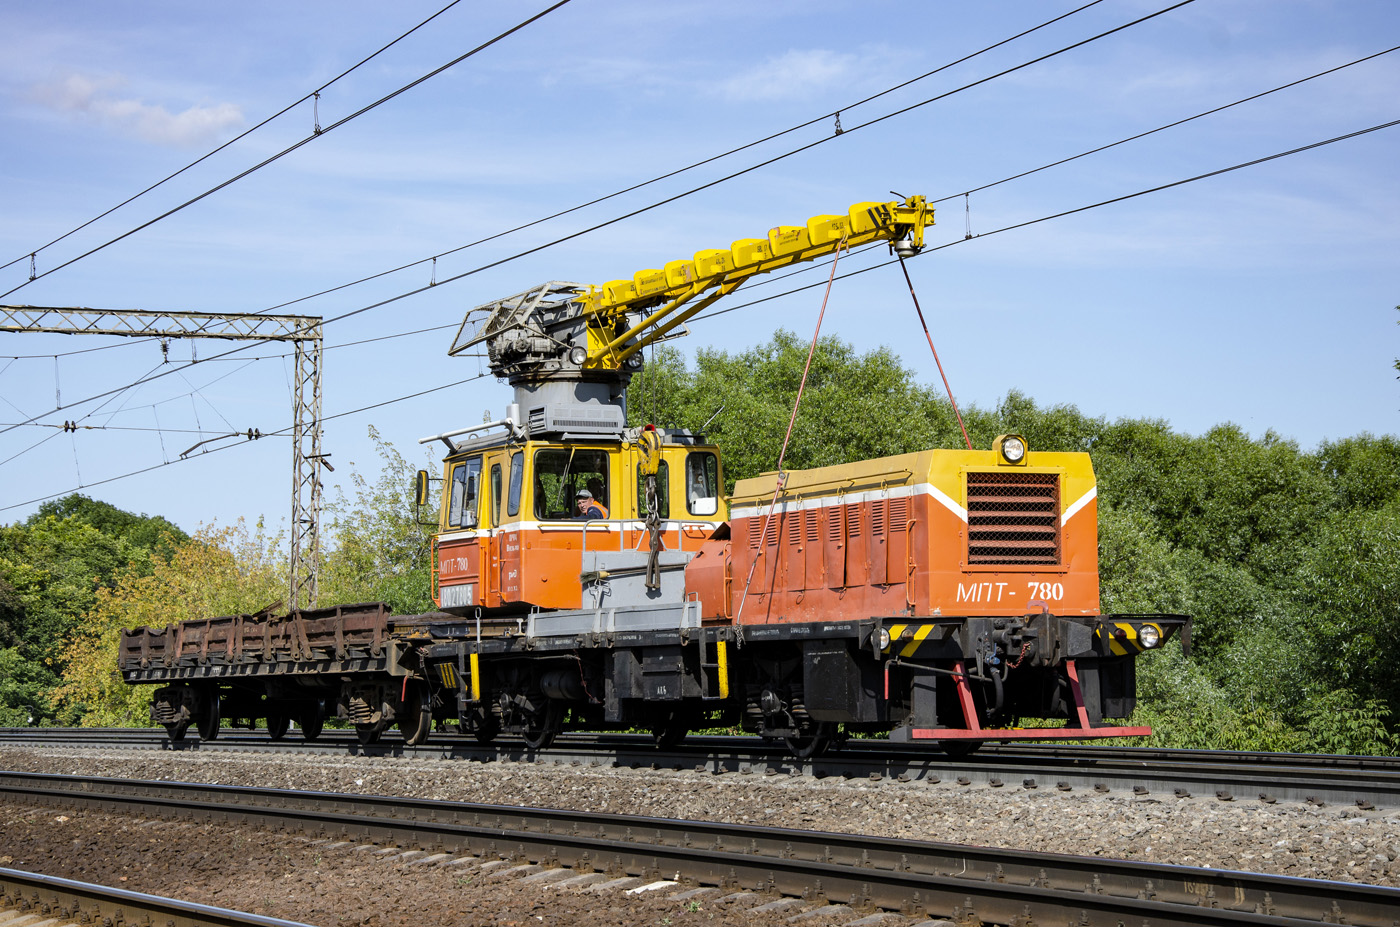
(511, 534)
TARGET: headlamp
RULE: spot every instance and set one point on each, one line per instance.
(1012, 448)
(1149, 635)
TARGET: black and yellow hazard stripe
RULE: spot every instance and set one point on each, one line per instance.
(907, 638)
(447, 674)
(1122, 637)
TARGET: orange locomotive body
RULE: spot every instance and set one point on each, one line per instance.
(939, 532)
(939, 595)
(590, 575)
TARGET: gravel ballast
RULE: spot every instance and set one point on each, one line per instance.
(1290, 839)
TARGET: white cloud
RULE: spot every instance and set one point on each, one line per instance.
(792, 75)
(97, 98)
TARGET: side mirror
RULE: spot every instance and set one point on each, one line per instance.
(420, 488)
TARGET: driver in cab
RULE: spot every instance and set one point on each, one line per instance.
(589, 508)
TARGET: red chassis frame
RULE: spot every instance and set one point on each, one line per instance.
(975, 731)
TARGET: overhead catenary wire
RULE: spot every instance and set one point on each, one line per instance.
(714, 313)
(1078, 156)
(281, 431)
(322, 131)
(153, 375)
(1068, 212)
(747, 170)
(812, 121)
(65, 426)
(418, 290)
(129, 342)
(1169, 125)
(815, 120)
(237, 138)
(633, 213)
(169, 431)
(719, 312)
(985, 186)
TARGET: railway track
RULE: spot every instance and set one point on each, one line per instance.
(969, 884)
(31, 899)
(1367, 782)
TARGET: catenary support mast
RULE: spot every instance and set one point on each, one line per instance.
(304, 332)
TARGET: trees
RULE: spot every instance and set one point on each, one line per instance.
(854, 406)
(376, 550)
(143, 531)
(1289, 560)
(224, 571)
(51, 569)
(380, 546)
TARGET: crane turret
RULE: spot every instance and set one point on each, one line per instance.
(570, 349)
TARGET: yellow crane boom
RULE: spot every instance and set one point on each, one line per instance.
(669, 294)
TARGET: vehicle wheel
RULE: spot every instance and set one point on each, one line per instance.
(176, 731)
(369, 733)
(415, 715)
(208, 723)
(810, 746)
(311, 721)
(277, 726)
(959, 748)
(544, 727)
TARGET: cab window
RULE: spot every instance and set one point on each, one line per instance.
(517, 480)
(466, 485)
(663, 492)
(559, 475)
(495, 502)
(701, 483)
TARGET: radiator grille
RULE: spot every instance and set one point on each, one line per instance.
(1013, 519)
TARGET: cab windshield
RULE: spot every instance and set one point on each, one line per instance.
(560, 472)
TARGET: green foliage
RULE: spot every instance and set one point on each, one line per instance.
(380, 546)
(1288, 560)
(1351, 587)
(1364, 471)
(1340, 722)
(24, 690)
(853, 406)
(54, 568)
(11, 615)
(1187, 708)
(224, 571)
(147, 532)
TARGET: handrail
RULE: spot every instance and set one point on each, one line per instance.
(584, 525)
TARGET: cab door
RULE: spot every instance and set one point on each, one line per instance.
(459, 550)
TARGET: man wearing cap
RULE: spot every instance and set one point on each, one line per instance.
(588, 507)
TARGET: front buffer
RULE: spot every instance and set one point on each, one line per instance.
(966, 680)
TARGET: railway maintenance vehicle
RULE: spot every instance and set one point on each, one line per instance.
(940, 595)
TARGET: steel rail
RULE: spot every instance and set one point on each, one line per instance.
(1227, 776)
(998, 886)
(30, 898)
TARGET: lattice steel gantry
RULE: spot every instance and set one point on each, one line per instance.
(303, 331)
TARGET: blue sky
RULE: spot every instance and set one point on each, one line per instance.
(1264, 297)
